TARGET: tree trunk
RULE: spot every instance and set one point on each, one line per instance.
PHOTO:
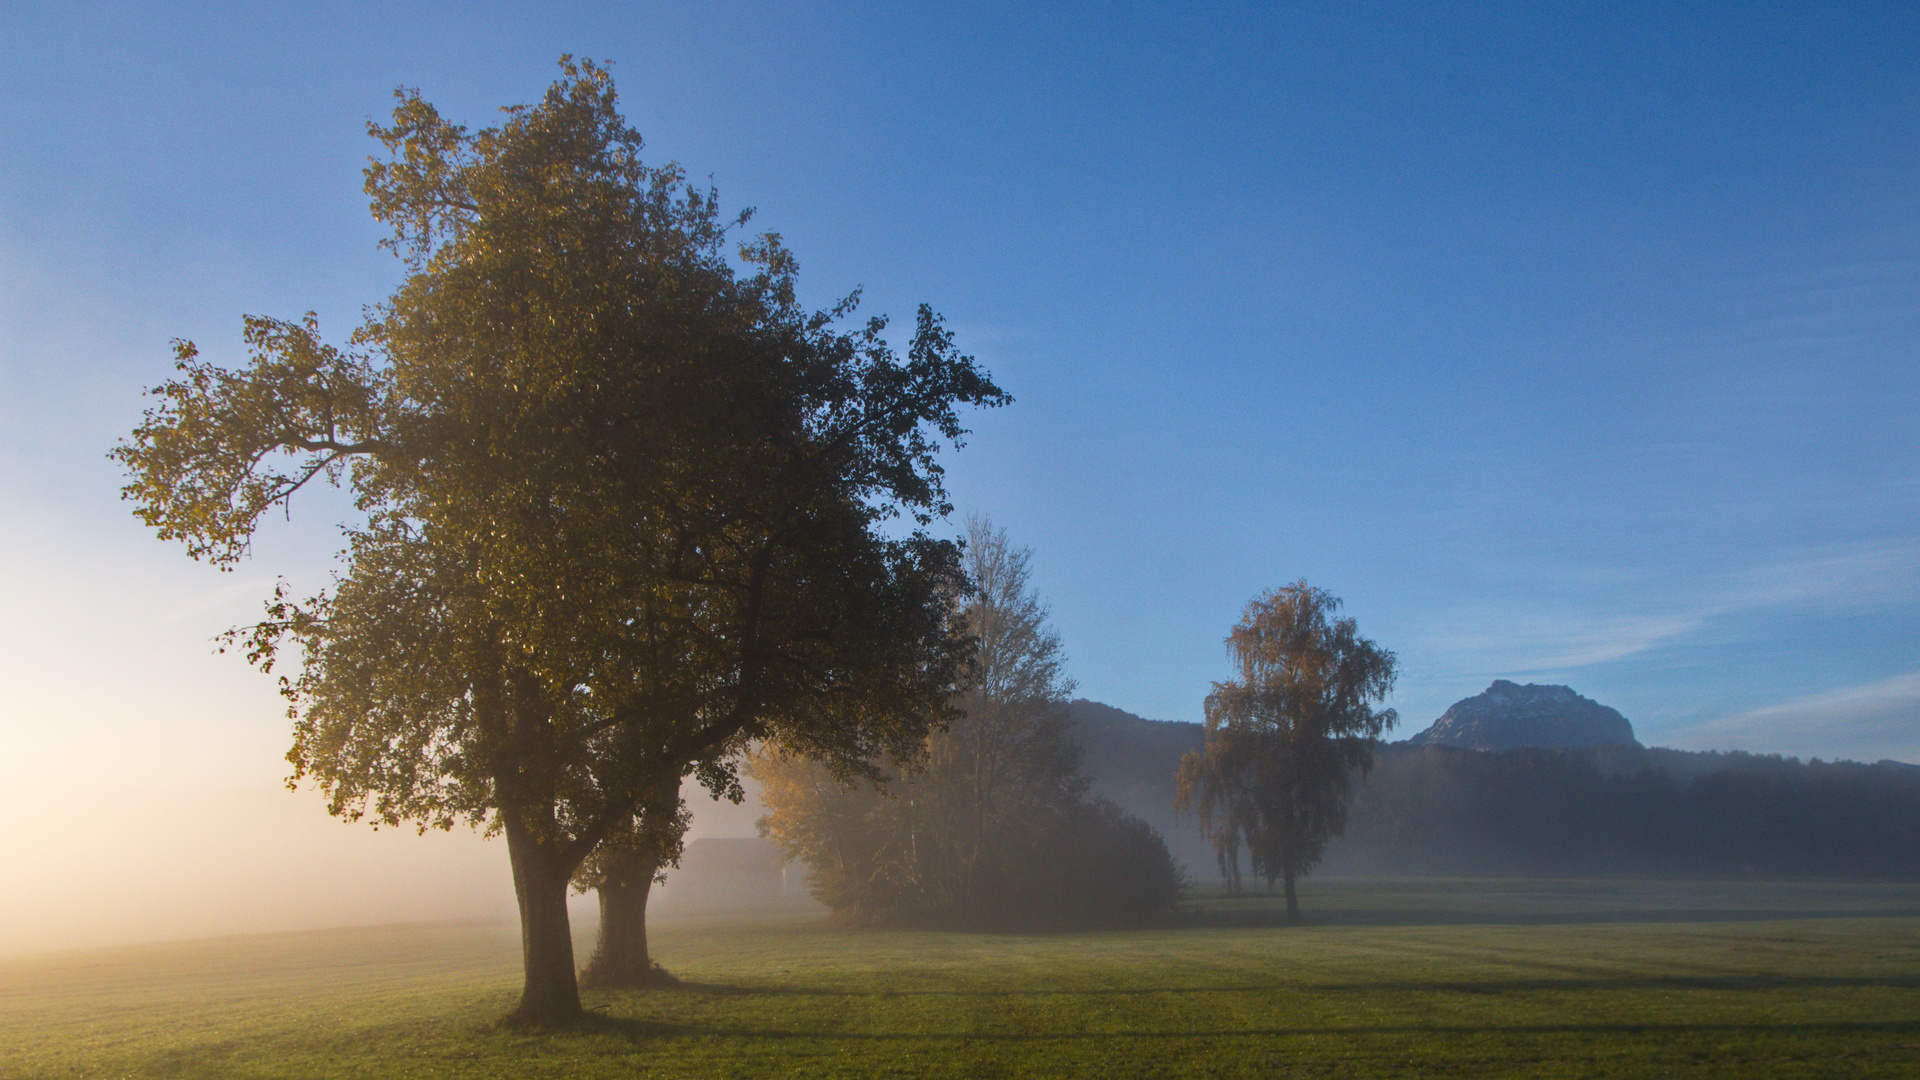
(550, 997)
(620, 955)
(1293, 901)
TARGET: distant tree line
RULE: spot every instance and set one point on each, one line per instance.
(1600, 812)
(1437, 809)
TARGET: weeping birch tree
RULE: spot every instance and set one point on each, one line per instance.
(1283, 739)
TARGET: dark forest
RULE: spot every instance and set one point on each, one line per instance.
(1600, 812)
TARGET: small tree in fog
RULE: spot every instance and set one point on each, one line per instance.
(1284, 737)
(1009, 761)
(994, 828)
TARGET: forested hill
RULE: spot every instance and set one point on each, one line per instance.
(1132, 761)
(1610, 810)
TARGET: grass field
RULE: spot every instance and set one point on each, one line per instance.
(1481, 978)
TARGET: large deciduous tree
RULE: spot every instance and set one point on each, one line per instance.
(624, 504)
(1284, 737)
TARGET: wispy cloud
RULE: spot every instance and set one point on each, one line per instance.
(1522, 641)
(1866, 722)
(1838, 577)
(1836, 302)
(1574, 629)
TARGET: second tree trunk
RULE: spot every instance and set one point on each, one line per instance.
(620, 956)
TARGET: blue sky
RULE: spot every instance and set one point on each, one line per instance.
(1566, 344)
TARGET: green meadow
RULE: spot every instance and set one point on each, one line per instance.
(1383, 978)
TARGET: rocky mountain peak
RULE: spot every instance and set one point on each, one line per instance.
(1509, 715)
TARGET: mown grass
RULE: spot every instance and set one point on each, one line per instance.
(1384, 979)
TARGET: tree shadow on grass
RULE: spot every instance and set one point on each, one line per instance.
(634, 1028)
(1256, 911)
(1722, 983)
(1258, 918)
(642, 1031)
(713, 989)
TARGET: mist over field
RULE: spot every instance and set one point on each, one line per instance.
(257, 861)
(221, 847)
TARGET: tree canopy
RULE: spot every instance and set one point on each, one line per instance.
(1283, 738)
(624, 507)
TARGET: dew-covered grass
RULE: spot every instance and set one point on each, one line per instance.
(1384, 978)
